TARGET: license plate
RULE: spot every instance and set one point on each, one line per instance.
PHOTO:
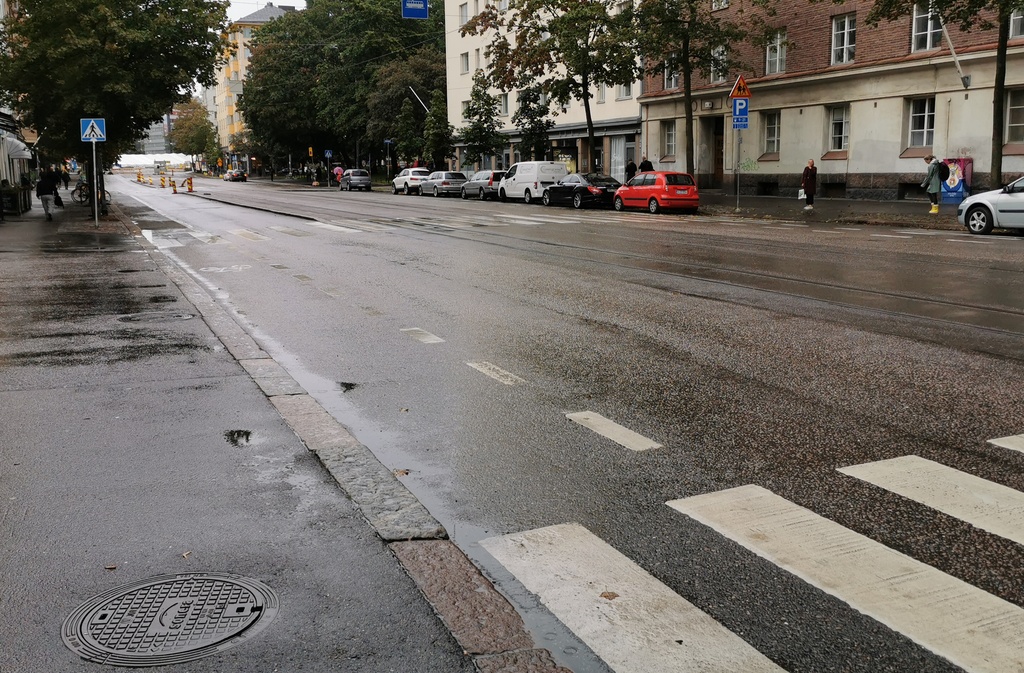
(682, 191)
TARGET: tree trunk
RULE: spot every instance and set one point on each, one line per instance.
(998, 96)
(589, 163)
(688, 102)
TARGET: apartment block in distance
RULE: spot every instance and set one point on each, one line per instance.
(614, 109)
(865, 103)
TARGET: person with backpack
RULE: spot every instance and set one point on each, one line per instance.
(933, 180)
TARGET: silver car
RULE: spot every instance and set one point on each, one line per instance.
(355, 178)
(1004, 208)
(443, 183)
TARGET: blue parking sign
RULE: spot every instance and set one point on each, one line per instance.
(740, 112)
(414, 9)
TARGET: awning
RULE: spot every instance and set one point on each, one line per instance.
(16, 149)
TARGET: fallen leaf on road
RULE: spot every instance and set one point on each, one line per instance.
(609, 595)
(110, 567)
(186, 554)
(401, 473)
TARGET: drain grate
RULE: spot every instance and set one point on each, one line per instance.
(169, 619)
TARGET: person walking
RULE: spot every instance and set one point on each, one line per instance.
(809, 183)
(932, 182)
(646, 165)
(65, 176)
(46, 190)
(630, 170)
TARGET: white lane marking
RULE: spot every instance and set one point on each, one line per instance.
(207, 237)
(918, 232)
(1014, 443)
(160, 242)
(826, 231)
(888, 236)
(613, 431)
(733, 224)
(496, 373)
(849, 228)
(969, 240)
(292, 232)
(973, 629)
(334, 227)
(251, 235)
(632, 621)
(980, 502)
(422, 335)
(794, 225)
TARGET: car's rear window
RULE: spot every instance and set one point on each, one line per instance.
(420, 171)
(359, 173)
(602, 181)
(498, 175)
(678, 179)
(455, 176)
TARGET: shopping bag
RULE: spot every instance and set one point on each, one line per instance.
(57, 201)
(801, 195)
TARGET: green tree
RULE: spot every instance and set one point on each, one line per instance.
(192, 131)
(969, 15)
(438, 134)
(532, 120)
(121, 60)
(409, 131)
(482, 134)
(567, 47)
(423, 71)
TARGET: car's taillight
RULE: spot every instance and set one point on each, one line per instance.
(445, 183)
(594, 190)
(490, 181)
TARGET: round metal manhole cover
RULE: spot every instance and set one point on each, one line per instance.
(155, 316)
(169, 619)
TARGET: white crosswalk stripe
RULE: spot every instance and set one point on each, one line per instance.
(636, 623)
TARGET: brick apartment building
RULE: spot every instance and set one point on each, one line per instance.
(866, 103)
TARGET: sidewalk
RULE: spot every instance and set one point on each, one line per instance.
(146, 435)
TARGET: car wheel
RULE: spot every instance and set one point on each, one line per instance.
(527, 197)
(394, 188)
(502, 196)
(979, 220)
(653, 206)
(619, 205)
(463, 194)
(546, 198)
(405, 189)
(577, 201)
(483, 194)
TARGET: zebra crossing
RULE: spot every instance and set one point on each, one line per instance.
(636, 623)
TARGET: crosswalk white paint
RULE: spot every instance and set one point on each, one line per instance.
(971, 628)
(1014, 443)
(980, 502)
(250, 235)
(496, 373)
(627, 617)
(422, 335)
(613, 431)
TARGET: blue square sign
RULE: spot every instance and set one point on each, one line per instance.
(94, 129)
(414, 9)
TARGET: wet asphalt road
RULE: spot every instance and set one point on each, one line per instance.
(755, 353)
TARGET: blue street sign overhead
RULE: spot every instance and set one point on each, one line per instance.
(94, 130)
(414, 9)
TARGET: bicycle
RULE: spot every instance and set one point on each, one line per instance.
(83, 194)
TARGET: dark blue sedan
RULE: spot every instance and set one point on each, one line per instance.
(582, 190)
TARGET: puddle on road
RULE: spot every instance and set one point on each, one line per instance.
(238, 437)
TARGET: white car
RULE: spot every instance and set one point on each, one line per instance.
(997, 208)
(408, 181)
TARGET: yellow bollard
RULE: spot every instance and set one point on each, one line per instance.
(190, 185)
(151, 182)
(138, 177)
(174, 187)
(163, 182)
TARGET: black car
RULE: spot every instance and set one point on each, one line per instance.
(482, 185)
(582, 190)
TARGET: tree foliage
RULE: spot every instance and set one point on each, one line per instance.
(967, 15)
(566, 47)
(193, 131)
(409, 131)
(438, 133)
(532, 119)
(482, 134)
(126, 61)
(423, 71)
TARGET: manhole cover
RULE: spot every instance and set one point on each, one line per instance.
(169, 619)
(155, 316)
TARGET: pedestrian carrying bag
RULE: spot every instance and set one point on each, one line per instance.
(943, 171)
(57, 201)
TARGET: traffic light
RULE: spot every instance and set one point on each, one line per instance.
(310, 151)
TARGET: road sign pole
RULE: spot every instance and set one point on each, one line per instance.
(95, 188)
(736, 167)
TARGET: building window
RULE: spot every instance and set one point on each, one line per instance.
(775, 59)
(503, 105)
(922, 122)
(463, 13)
(927, 30)
(671, 79)
(718, 55)
(625, 91)
(844, 38)
(465, 109)
(1015, 116)
(772, 124)
(464, 62)
(719, 4)
(502, 5)
(476, 59)
(668, 138)
(602, 92)
(1017, 23)
(839, 129)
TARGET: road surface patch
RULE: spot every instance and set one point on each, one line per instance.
(496, 373)
(250, 235)
(632, 621)
(971, 628)
(422, 335)
(613, 431)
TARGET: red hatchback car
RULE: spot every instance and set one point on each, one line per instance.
(658, 190)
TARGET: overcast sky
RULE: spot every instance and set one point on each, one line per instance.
(240, 8)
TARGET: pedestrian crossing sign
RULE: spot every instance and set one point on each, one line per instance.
(94, 130)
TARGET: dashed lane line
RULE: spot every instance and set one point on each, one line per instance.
(632, 621)
(496, 373)
(973, 629)
(982, 503)
(1014, 443)
(888, 236)
(613, 431)
(250, 235)
(422, 335)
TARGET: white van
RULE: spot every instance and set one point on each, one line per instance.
(527, 180)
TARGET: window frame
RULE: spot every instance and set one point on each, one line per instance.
(1010, 108)
(1017, 23)
(503, 104)
(771, 132)
(463, 14)
(669, 138)
(926, 25)
(844, 134)
(926, 130)
(848, 32)
(624, 91)
(777, 47)
(671, 79)
(465, 110)
(719, 76)
(464, 63)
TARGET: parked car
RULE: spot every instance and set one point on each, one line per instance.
(355, 178)
(408, 181)
(1003, 208)
(527, 180)
(658, 190)
(582, 190)
(482, 185)
(233, 175)
(443, 183)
